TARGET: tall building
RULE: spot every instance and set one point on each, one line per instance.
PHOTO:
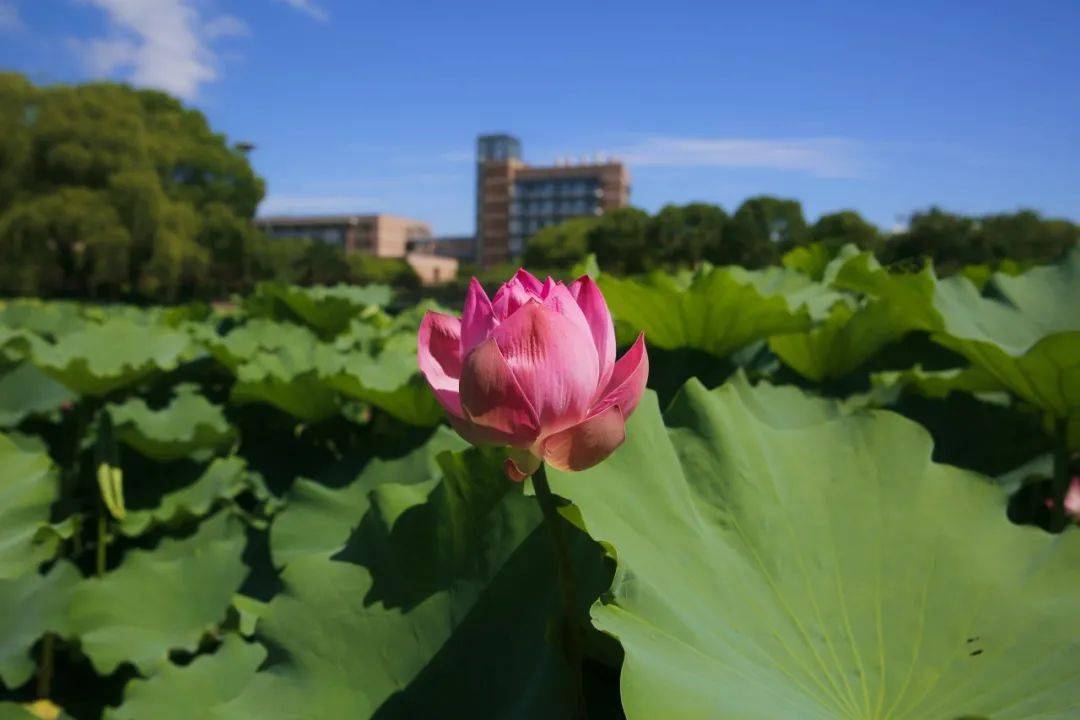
(515, 200)
(380, 235)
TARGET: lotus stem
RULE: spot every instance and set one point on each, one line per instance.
(572, 635)
(102, 539)
(1059, 519)
(45, 666)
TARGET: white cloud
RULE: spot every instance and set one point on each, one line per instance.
(304, 204)
(824, 157)
(9, 17)
(159, 43)
(308, 8)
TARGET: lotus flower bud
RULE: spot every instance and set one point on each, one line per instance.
(535, 369)
(1072, 500)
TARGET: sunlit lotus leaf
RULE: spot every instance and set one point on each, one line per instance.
(161, 600)
(387, 379)
(26, 391)
(222, 479)
(1028, 339)
(318, 519)
(718, 310)
(843, 341)
(420, 615)
(189, 425)
(196, 690)
(28, 487)
(30, 606)
(48, 319)
(98, 359)
(326, 310)
(780, 559)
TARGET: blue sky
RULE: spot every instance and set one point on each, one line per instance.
(358, 105)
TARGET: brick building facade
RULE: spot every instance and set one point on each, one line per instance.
(515, 200)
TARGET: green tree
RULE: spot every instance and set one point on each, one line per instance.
(228, 238)
(1025, 236)
(763, 227)
(366, 269)
(935, 235)
(167, 201)
(834, 230)
(687, 234)
(562, 245)
(280, 259)
(68, 242)
(324, 264)
(621, 243)
(16, 96)
(951, 241)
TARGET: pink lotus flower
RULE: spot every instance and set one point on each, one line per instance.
(534, 369)
(1072, 500)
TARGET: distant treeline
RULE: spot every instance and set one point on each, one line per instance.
(109, 192)
(763, 228)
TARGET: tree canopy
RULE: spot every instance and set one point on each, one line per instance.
(107, 191)
(763, 228)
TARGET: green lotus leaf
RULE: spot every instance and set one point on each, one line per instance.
(248, 611)
(48, 319)
(254, 339)
(1040, 467)
(846, 339)
(852, 331)
(780, 559)
(388, 380)
(409, 319)
(799, 290)
(441, 577)
(978, 381)
(317, 519)
(909, 295)
(28, 488)
(1028, 341)
(189, 425)
(16, 345)
(718, 311)
(810, 260)
(30, 606)
(161, 600)
(327, 310)
(304, 396)
(817, 261)
(1047, 375)
(98, 359)
(940, 383)
(196, 690)
(274, 363)
(26, 391)
(412, 401)
(14, 711)
(223, 479)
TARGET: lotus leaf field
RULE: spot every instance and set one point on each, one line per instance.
(841, 497)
